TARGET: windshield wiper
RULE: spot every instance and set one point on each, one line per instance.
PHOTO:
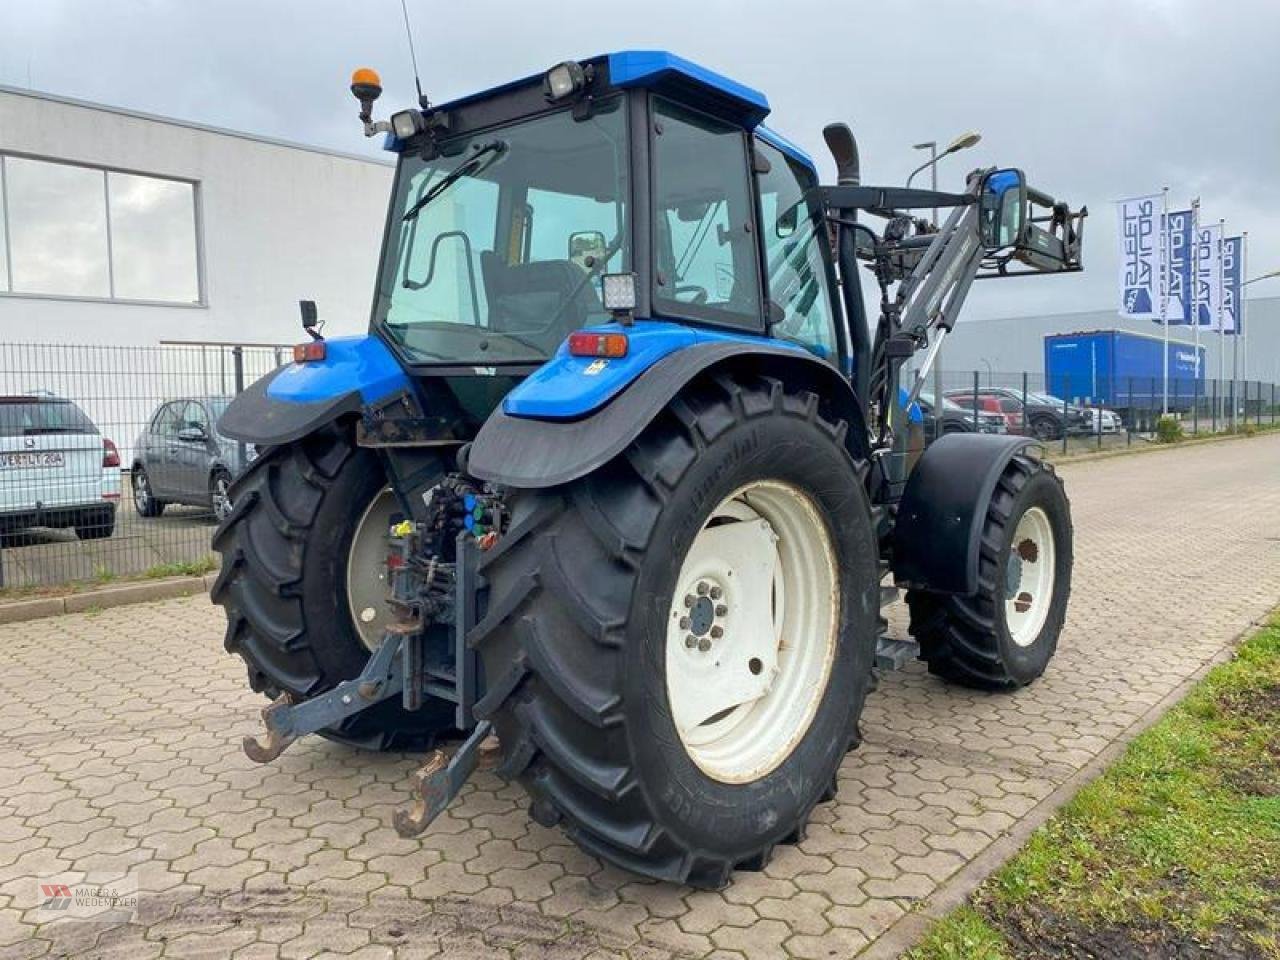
(468, 168)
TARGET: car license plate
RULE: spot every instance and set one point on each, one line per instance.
(45, 458)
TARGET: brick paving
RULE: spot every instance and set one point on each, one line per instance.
(120, 757)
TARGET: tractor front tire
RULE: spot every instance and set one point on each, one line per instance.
(724, 565)
(1004, 636)
(286, 544)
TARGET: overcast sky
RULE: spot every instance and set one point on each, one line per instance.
(1095, 99)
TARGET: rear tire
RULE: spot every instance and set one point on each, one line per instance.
(587, 594)
(144, 497)
(1004, 636)
(285, 546)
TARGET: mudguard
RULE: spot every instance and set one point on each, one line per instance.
(527, 452)
(941, 514)
(297, 399)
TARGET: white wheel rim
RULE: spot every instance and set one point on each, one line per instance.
(758, 593)
(367, 570)
(1028, 582)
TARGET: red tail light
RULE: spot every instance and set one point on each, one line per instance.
(308, 352)
(584, 344)
(110, 455)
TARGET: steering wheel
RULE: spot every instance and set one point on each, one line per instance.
(700, 294)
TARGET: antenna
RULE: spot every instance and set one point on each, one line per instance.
(423, 102)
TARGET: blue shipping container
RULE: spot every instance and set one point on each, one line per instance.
(1118, 368)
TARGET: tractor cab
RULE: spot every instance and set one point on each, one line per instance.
(629, 186)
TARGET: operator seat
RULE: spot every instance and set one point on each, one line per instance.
(525, 297)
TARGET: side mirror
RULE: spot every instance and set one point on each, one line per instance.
(193, 434)
(587, 248)
(1002, 208)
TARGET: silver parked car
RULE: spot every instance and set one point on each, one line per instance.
(181, 458)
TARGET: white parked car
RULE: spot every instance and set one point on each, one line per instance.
(1104, 421)
(56, 469)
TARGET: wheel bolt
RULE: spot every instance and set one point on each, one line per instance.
(684, 623)
(688, 599)
(703, 588)
(717, 633)
(716, 593)
(721, 609)
(704, 645)
(691, 641)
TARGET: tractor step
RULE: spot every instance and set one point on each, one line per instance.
(895, 654)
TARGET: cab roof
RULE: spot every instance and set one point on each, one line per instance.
(680, 79)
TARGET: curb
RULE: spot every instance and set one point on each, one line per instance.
(910, 929)
(1150, 446)
(100, 598)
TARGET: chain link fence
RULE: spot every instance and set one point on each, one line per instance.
(111, 464)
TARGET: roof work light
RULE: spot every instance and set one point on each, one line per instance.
(406, 124)
(564, 80)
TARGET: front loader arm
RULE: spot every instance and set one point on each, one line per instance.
(925, 271)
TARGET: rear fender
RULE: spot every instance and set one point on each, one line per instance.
(529, 452)
(943, 509)
(299, 398)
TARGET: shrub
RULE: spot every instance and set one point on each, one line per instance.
(1168, 429)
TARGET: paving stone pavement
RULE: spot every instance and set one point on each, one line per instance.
(119, 755)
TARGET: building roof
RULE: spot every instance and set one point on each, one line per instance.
(190, 125)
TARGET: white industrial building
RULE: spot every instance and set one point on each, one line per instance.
(121, 228)
(1011, 345)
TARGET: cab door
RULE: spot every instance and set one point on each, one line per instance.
(706, 259)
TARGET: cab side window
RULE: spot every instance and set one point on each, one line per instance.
(707, 265)
(796, 273)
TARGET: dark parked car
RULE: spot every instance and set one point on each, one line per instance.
(1045, 416)
(956, 419)
(181, 458)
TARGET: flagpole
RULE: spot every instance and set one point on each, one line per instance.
(1164, 290)
(1222, 336)
(1237, 322)
(1194, 313)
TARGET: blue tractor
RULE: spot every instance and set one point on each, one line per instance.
(615, 487)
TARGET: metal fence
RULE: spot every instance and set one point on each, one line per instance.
(110, 461)
(111, 464)
(1100, 412)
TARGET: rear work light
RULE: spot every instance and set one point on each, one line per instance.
(308, 352)
(110, 455)
(584, 344)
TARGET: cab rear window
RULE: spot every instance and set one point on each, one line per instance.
(22, 416)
